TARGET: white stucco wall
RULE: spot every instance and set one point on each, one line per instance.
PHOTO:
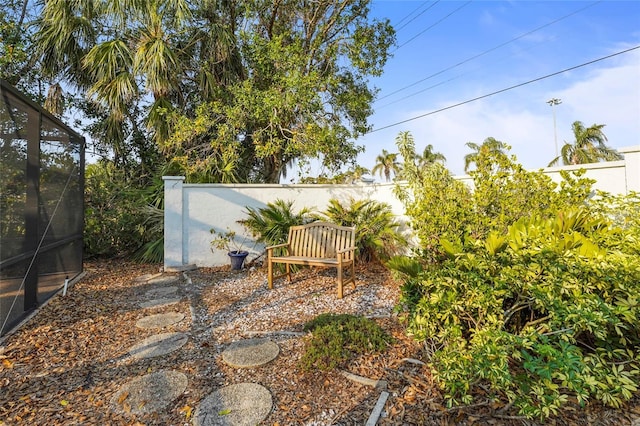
(191, 210)
(221, 206)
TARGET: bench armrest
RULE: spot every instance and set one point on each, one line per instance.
(277, 246)
(345, 250)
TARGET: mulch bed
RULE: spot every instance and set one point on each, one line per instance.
(64, 365)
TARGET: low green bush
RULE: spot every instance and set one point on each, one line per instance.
(336, 338)
(123, 215)
(545, 313)
(525, 291)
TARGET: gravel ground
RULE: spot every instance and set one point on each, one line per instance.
(64, 366)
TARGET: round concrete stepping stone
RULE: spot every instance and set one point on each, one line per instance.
(162, 291)
(145, 277)
(250, 353)
(156, 303)
(242, 404)
(149, 393)
(164, 280)
(160, 344)
(160, 320)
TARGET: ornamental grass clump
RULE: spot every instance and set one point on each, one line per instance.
(336, 338)
(378, 235)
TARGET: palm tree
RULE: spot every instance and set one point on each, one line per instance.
(429, 157)
(386, 163)
(489, 146)
(589, 147)
(109, 68)
(355, 173)
(377, 231)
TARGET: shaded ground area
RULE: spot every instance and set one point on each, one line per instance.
(68, 363)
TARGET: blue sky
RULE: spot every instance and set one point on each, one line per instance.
(453, 51)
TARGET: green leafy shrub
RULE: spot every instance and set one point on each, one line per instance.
(336, 338)
(523, 288)
(541, 314)
(440, 206)
(504, 192)
(624, 212)
(152, 231)
(123, 215)
(377, 232)
(270, 224)
(436, 203)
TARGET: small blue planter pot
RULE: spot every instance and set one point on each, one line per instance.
(237, 259)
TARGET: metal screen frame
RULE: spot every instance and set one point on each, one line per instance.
(41, 205)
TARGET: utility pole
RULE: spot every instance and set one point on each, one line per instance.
(553, 102)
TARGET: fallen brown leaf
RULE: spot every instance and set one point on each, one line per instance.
(122, 397)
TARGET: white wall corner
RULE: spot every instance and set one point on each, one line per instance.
(632, 167)
(173, 221)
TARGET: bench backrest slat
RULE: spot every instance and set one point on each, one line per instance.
(320, 240)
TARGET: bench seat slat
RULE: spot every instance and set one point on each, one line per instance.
(302, 260)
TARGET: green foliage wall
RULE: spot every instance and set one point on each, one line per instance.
(539, 315)
(531, 294)
(123, 216)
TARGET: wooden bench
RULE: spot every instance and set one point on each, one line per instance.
(317, 244)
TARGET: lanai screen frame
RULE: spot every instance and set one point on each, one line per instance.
(42, 164)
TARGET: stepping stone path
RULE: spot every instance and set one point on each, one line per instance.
(250, 353)
(160, 320)
(162, 291)
(158, 345)
(149, 393)
(235, 405)
(242, 404)
(157, 303)
(146, 277)
(161, 296)
(164, 280)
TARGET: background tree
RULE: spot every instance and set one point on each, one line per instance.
(489, 146)
(225, 90)
(18, 65)
(386, 163)
(588, 147)
(352, 175)
(429, 157)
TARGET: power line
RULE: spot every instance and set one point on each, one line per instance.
(417, 16)
(486, 51)
(433, 86)
(431, 26)
(506, 89)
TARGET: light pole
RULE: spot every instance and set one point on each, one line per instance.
(552, 102)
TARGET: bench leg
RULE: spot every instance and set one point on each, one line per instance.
(353, 274)
(340, 282)
(288, 266)
(270, 274)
